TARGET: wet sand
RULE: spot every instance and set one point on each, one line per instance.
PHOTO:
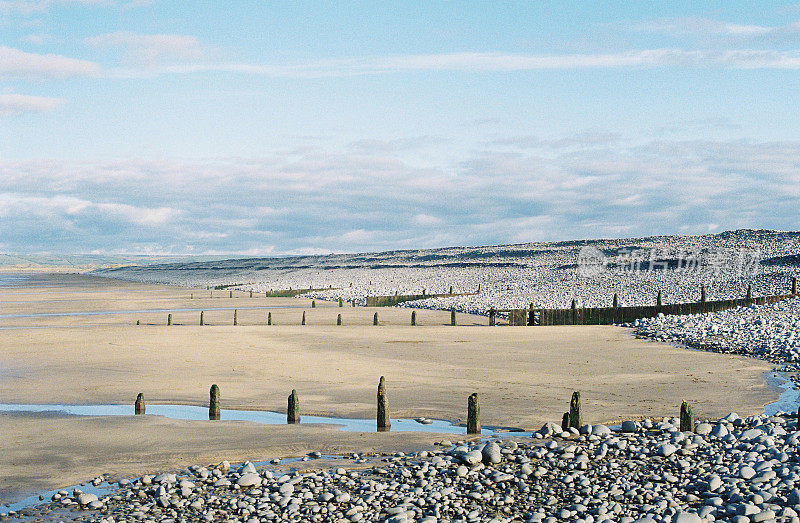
(524, 376)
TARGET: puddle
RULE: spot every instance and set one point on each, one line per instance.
(12, 280)
(193, 413)
(789, 400)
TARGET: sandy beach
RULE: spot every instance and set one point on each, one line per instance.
(524, 376)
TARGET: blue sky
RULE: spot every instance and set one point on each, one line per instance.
(130, 126)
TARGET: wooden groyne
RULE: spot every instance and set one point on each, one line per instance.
(615, 315)
(390, 301)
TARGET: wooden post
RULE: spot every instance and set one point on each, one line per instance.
(702, 293)
(492, 317)
(565, 422)
(749, 291)
(687, 418)
(235, 317)
(794, 285)
(574, 305)
(453, 317)
(375, 319)
(616, 300)
(213, 403)
(303, 321)
(269, 318)
(479, 289)
(473, 414)
(202, 321)
(413, 318)
(341, 303)
(293, 409)
(658, 299)
(575, 411)
(451, 289)
(338, 319)
(384, 423)
(138, 407)
(169, 319)
(230, 294)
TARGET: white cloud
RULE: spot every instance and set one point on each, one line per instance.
(14, 104)
(491, 62)
(426, 220)
(151, 49)
(14, 62)
(30, 7)
(340, 202)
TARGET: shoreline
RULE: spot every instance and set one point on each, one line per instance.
(524, 375)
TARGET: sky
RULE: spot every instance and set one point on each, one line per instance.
(275, 128)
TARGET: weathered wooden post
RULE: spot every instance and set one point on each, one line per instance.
(492, 317)
(616, 300)
(658, 299)
(375, 319)
(473, 414)
(413, 318)
(565, 422)
(384, 423)
(293, 409)
(202, 321)
(211, 295)
(213, 403)
(703, 293)
(687, 418)
(303, 321)
(451, 290)
(235, 317)
(794, 285)
(169, 319)
(269, 318)
(575, 411)
(338, 319)
(230, 294)
(341, 303)
(138, 407)
(749, 291)
(313, 304)
(453, 317)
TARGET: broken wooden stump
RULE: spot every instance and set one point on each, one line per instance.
(214, 403)
(383, 421)
(293, 408)
(473, 414)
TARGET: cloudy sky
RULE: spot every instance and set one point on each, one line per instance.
(258, 127)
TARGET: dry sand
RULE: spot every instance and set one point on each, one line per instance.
(524, 376)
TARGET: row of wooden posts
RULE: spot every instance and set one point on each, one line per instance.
(338, 318)
(383, 421)
(571, 419)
